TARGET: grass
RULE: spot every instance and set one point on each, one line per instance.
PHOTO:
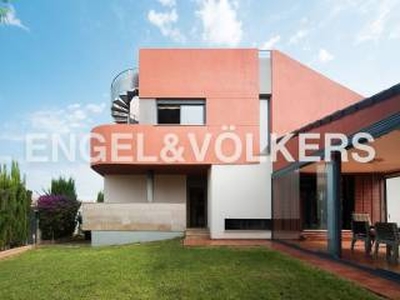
(166, 270)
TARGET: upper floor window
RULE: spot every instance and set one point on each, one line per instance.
(183, 112)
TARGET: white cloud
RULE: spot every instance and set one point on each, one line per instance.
(383, 13)
(64, 120)
(170, 3)
(165, 21)
(11, 19)
(162, 20)
(271, 42)
(96, 108)
(39, 175)
(298, 36)
(11, 137)
(374, 29)
(73, 118)
(220, 22)
(324, 56)
(395, 33)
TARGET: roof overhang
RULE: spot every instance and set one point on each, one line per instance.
(378, 115)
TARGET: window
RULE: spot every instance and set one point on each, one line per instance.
(247, 224)
(183, 112)
(169, 114)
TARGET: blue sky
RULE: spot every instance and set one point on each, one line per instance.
(58, 57)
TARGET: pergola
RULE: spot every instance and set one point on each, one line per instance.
(378, 116)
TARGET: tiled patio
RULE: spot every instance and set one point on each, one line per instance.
(381, 286)
(357, 256)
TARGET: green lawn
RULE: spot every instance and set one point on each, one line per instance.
(166, 270)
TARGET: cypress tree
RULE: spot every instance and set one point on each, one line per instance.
(15, 203)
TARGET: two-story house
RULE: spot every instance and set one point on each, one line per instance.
(190, 146)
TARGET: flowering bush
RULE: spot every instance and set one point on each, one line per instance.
(57, 216)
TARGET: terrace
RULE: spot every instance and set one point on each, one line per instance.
(314, 203)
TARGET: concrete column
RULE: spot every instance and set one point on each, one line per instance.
(150, 186)
(334, 222)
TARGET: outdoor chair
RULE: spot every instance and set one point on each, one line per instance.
(361, 217)
(388, 233)
(361, 231)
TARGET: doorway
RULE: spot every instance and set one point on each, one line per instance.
(196, 201)
(314, 207)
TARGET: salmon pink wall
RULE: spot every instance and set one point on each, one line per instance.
(228, 81)
(153, 142)
(301, 95)
(226, 78)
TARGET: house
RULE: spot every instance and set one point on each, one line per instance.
(191, 147)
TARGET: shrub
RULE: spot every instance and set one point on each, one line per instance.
(100, 197)
(15, 203)
(57, 216)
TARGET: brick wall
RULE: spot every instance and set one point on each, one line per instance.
(370, 196)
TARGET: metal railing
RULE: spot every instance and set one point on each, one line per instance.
(127, 80)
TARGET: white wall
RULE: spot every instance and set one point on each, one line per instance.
(393, 199)
(170, 188)
(264, 67)
(147, 111)
(133, 188)
(125, 189)
(239, 191)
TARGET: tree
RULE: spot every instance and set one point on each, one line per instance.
(63, 187)
(15, 203)
(4, 10)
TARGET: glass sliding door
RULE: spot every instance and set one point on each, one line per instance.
(286, 206)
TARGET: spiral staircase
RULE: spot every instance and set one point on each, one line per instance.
(125, 97)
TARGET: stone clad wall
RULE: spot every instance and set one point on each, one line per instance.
(134, 216)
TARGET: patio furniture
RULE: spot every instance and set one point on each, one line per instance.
(388, 233)
(361, 230)
(361, 217)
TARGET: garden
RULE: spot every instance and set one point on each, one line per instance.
(55, 212)
(158, 270)
(166, 270)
